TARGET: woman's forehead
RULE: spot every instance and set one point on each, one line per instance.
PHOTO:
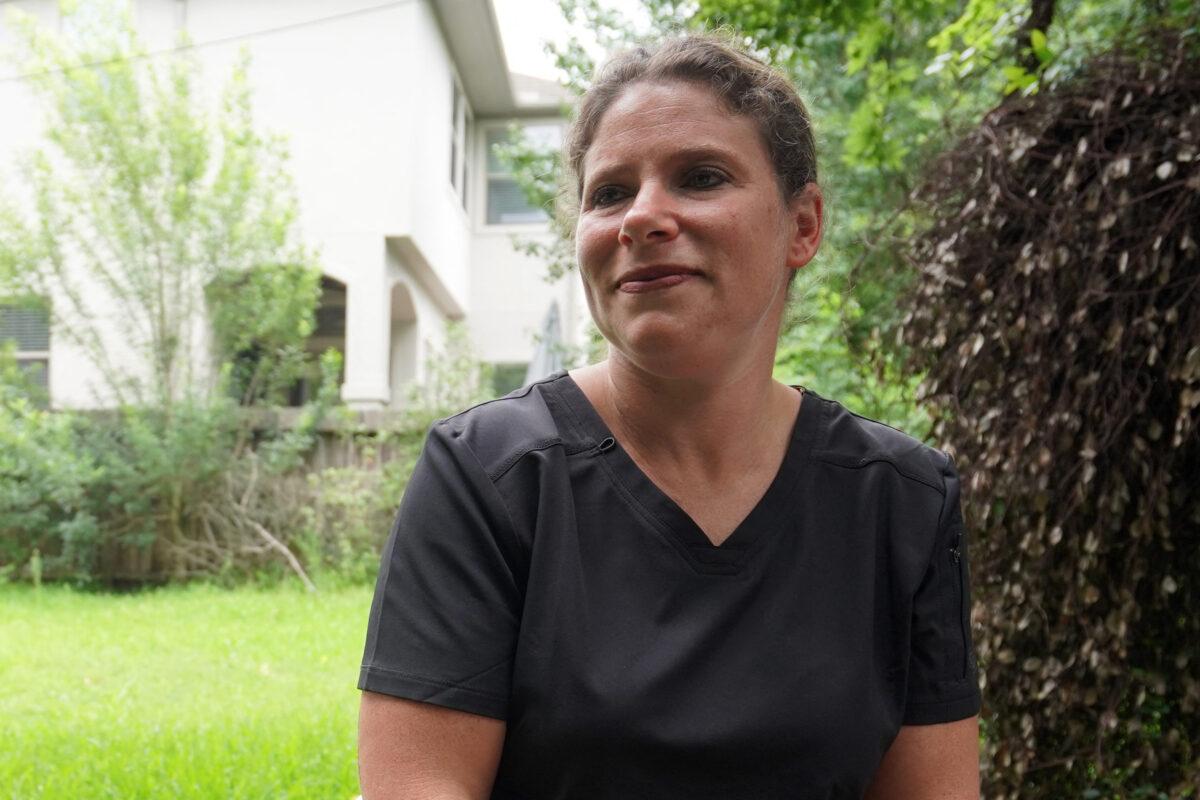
(647, 102)
(679, 115)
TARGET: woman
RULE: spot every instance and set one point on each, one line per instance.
(667, 575)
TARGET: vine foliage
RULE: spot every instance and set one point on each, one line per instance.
(1058, 318)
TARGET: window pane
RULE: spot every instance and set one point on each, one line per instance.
(506, 204)
(505, 201)
(30, 327)
(495, 136)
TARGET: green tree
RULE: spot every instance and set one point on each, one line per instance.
(140, 203)
(893, 83)
(890, 84)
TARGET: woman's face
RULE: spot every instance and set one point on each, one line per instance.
(684, 241)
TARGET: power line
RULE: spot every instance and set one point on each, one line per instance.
(211, 42)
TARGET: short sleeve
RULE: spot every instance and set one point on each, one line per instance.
(446, 611)
(942, 686)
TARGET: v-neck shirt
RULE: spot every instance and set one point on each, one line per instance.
(536, 575)
(643, 492)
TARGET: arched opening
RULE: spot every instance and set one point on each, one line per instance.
(403, 363)
(329, 333)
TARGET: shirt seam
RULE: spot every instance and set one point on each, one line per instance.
(943, 700)
(827, 457)
(821, 452)
(510, 462)
(369, 668)
(524, 393)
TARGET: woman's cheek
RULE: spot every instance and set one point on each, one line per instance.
(593, 249)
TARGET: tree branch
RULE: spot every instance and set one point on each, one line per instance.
(1041, 14)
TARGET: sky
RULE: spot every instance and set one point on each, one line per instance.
(526, 25)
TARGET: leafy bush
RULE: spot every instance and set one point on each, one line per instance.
(142, 494)
(43, 478)
(207, 488)
(1058, 324)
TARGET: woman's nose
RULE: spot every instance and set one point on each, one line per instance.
(651, 217)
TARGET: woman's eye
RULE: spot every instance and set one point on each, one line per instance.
(606, 195)
(705, 179)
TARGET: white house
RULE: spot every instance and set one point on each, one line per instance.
(389, 109)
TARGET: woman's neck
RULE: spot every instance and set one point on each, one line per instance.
(709, 427)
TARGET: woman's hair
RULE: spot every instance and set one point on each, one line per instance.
(744, 84)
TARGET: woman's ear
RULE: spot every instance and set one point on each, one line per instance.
(806, 211)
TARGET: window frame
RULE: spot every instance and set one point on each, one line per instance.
(461, 123)
(485, 175)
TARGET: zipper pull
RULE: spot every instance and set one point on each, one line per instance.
(608, 444)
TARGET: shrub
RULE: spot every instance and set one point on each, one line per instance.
(145, 494)
(1058, 322)
(206, 489)
(43, 479)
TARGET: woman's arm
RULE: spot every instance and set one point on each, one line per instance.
(408, 750)
(930, 762)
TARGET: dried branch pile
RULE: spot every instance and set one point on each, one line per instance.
(1058, 316)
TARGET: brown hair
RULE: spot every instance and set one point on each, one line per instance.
(744, 84)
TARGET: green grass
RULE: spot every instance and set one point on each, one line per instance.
(194, 692)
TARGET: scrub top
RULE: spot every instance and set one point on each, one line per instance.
(535, 575)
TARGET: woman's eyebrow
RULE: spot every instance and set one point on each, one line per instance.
(682, 154)
(703, 153)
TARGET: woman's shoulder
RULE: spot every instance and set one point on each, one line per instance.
(852, 440)
(499, 432)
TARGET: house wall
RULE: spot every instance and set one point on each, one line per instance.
(363, 97)
(510, 297)
(509, 291)
(437, 223)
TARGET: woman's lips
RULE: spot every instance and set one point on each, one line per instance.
(655, 284)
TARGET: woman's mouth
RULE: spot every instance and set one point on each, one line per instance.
(654, 279)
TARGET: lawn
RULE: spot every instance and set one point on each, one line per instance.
(195, 692)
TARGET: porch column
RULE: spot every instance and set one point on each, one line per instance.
(368, 334)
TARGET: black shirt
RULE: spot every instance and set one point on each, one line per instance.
(536, 575)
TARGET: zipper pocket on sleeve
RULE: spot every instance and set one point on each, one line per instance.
(964, 613)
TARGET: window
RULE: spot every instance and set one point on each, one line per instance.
(27, 325)
(506, 202)
(460, 122)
